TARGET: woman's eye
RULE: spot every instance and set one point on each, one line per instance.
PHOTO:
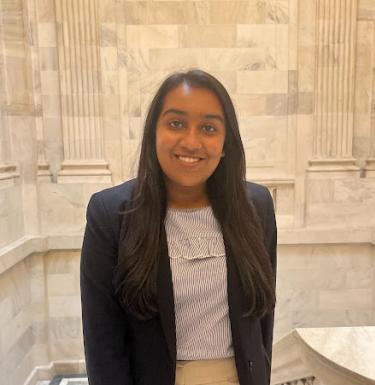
(176, 124)
(208, 128)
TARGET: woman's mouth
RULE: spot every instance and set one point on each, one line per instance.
(188, 159)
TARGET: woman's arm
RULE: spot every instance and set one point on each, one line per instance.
(104, 321)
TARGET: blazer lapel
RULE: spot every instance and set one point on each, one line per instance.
(165, 298)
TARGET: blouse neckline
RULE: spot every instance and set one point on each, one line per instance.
(187, 209)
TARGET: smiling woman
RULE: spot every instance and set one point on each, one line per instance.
(190, 135)
(178, 265)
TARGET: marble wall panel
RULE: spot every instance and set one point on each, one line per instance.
(164, 59)
(264, 139)
(64, 303)
(324, 285)
(209, 36)
(152, 36)
(11, 216)
(107, 34)
(63, 206)
(250, 104)
(262, 35)
(353, 196)
(349, 215)
(237, 59)
(242, 12)
(366, 10)
(149, 12)
(266, 82)
(16, 335)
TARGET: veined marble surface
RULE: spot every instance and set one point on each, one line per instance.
(352, 348)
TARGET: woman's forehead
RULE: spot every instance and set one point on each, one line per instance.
(189, 98)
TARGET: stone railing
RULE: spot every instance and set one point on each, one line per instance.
(302, 381)
(325, 356)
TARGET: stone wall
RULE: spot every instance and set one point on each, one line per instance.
(76, 78)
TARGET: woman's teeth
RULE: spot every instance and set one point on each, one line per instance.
(188, 159)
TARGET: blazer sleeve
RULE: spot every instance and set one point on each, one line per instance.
(103, 320)
(271, 242)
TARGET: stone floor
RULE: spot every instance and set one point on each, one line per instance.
(68, 380)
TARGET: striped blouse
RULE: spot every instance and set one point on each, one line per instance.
(199, 275)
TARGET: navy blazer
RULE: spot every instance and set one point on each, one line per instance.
(121, 350)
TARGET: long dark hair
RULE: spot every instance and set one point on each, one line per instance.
(136, 271)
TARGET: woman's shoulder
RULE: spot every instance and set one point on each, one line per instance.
(258, 193)
(261, 198)
(117, 194)
(107, 206)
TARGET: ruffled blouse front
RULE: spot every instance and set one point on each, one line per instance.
(193, 233)
(199, 274)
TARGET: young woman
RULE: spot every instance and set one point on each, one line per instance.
(178, 265)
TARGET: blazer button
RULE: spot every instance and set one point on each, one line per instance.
(250, 365)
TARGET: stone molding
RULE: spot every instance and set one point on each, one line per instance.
(335, 39)
(79, 70)
(370, 168)
(21, 248)
(8, 171)
(8, 175)
(54, 368)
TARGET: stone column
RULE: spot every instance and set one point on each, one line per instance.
(80, 92)
(31, 36)
(8, 170)
(334, 87)
(370, 162)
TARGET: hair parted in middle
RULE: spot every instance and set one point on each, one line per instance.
(143, 219)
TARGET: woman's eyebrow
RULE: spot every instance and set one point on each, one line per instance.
(174, 111)
(214, 116)
(180, 112)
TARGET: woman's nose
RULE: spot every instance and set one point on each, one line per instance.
(191, 139)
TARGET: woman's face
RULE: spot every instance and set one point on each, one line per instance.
(190, 134)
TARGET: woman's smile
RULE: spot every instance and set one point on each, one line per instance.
(188, 160)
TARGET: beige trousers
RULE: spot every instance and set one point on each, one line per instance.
(207, 372)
